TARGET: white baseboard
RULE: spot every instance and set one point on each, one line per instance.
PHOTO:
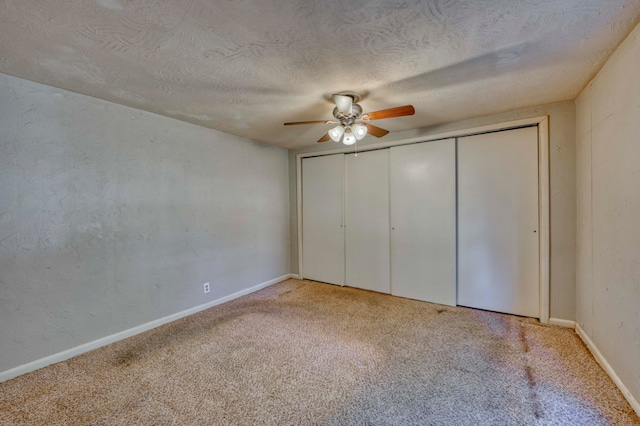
(295, 276)
(562, 322)
(608, 369)
(86, 347)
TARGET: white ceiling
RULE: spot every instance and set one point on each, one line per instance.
(246, 66)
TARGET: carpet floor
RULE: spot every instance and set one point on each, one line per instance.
(301, 352)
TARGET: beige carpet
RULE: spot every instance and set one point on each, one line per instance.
(301, 352)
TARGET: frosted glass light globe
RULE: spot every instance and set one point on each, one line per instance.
(336, 133)
(359, 131)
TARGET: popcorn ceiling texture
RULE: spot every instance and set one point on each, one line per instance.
(244, 67)
(301, 352)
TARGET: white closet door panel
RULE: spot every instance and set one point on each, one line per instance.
(498, 222)
(322, 218)
(423, 220)
(367, 220)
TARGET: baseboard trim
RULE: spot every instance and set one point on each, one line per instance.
(608, 369)
(295, 276)
(86, 347)
(562, 322)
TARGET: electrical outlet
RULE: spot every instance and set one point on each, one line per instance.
(207, 288)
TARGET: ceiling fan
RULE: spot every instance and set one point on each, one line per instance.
(351, 122)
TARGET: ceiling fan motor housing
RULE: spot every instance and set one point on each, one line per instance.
(348, 119)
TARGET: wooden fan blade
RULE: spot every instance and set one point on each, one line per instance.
(390, 113)
(295, 123)
(325, 138)
(376, 131)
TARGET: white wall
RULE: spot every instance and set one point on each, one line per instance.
(111, 217)
(608, 237)
(562, 192)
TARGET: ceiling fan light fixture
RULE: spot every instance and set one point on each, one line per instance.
(349, 138)
(336, 133)
(352, 122)
(359, 131)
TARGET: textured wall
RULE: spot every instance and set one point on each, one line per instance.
(608, 243)
(562, 203)
(111, 217)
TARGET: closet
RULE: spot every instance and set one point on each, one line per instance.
(322, 213)
(367, 220)
(498, 239)
(453, 221)
(423, 221)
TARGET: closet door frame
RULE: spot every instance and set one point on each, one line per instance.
(543, 188)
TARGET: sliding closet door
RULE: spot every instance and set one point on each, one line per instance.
(498, 222)
(322, 219)
(367, 220)
(423, 221)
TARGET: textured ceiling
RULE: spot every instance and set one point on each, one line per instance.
(246, 66)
